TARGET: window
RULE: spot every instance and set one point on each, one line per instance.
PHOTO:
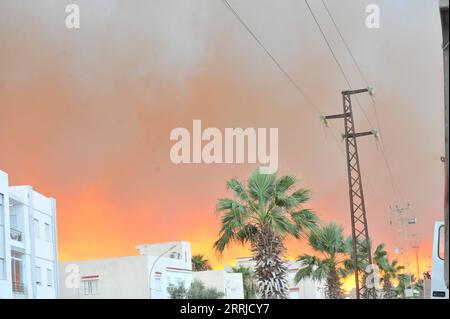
(17, 272)
(158, 283)
(38, 275)
(13, 221)
(49, 278)
(47, 232)
(90, 287)
(441, 244)
(2, 242)
(36, 228)
(2, 268)
(1, 209)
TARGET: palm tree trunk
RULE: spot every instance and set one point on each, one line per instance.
(388, 290)
(334, 285)
(367, 293)
(270, 270)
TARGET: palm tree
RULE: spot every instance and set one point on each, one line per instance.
(419, 288)
(329, 242)
(390, 272)
(199, 263)
(248, 282)
(405, 281)
(378, 259)
(263, 213)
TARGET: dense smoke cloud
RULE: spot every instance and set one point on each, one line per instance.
(85, 115)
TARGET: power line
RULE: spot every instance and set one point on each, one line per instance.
(278, 65)
(284, 72)
(390, 175)
(382, 146)
(341, 68)
(274, 60)
(345, 43)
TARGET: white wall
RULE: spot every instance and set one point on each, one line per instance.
(5, 282)
(166, 270)
(29, 204)
(118, 278)
(129, 277)
(230, 284)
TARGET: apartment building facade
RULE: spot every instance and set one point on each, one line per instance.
(28, 243)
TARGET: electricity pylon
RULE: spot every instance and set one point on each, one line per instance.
(402, 222)
(416, 247)
(360, 231)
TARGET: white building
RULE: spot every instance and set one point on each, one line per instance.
(305, 289)
(229, 283)
(28, 245)
(140, 277)
(133, 277)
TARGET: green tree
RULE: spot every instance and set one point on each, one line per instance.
(177, 291)
(329, 243)
(379, 259)
(199, 291)
(390, 272)
(419, 289)
(263, 213)
(406, 281)
(200, 263)
(248, 282)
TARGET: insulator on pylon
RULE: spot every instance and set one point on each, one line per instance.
(323, 118)
(376, 133)
(371, 91)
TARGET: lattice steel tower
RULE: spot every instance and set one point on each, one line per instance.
(360, 232)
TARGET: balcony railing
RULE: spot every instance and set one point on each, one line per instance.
(18, 288)
(16, 234)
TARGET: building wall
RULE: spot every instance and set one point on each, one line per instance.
(37, 245)
(137, 277)
(5, 256)
(230, 284)
(306, 288)
(168, 263)
(116, 278)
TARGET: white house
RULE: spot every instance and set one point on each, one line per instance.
(229, 283)
(141, 277)
(28, 245)
(133, 277)
(305, 289)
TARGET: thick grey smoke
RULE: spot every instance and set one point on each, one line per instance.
(95, 106)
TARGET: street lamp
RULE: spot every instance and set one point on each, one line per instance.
(153, 265)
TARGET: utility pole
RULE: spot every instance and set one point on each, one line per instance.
(402, 222)
(360, 232)
(416, 248)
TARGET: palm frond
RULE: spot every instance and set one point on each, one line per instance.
(261, 187)
(238, 188)
(306, 221)
(284, 184)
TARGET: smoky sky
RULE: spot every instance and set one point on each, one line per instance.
(85, 115)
